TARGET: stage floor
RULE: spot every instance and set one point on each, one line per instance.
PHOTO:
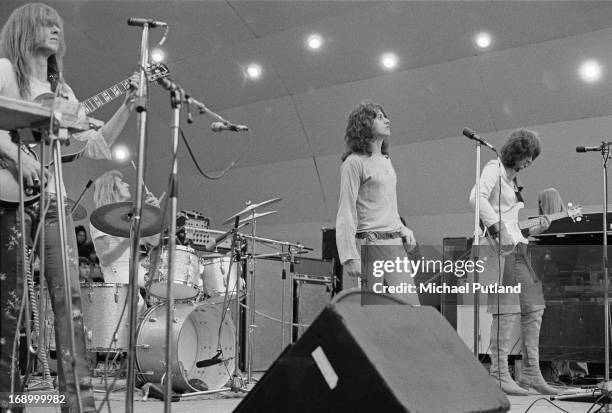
(227, 402)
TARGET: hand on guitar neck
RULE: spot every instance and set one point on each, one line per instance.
(506, 235)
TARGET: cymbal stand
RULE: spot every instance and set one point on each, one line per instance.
(250, 286)
(237, 382)
(294, 330)
(141, 110)
(237, 379)
(284, 278)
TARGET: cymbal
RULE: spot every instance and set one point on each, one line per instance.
(251, 208)
(115, 219)
(77, 213)
(256, 216)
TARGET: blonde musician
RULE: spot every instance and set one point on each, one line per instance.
(114, 252)
(31, 53)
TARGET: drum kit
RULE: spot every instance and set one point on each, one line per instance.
(205, 338)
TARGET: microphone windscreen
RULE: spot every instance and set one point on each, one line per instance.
(468, 132)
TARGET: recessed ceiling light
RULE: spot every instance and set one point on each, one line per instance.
(591, 71)
(254, 71)
(483, 40)
(389, 60)
(314, 41)
(121, 153)
(158, 55)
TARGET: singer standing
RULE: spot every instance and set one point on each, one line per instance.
(31, 53)
(367, 208)
(499, 192)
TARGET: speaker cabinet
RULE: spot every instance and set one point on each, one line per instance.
(377, 358)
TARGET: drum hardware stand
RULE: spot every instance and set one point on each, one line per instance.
(237, 381)
(284, 278)
(294, 329)
(250, 300)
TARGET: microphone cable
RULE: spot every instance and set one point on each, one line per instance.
(209, 175)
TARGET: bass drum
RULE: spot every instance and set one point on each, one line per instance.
(194, 338)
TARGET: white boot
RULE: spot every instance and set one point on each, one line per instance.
(501, 330)
(531, 376)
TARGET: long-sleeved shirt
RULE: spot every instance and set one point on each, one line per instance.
(368, 201)
(96, 147)
(490, 202)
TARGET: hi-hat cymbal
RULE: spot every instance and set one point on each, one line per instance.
(256, 216)
(77, 213)
(251, 208)
(115, 219)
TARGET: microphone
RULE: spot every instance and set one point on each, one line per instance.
(470, 134)
(168, 84)
(223, 126)
(135, 21)
(581, 149)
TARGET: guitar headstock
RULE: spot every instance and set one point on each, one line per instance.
(157, 71)
(574, 212)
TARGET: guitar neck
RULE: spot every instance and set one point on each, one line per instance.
(530, 223)
(95, 102)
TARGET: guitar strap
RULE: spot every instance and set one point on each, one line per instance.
(518, 188)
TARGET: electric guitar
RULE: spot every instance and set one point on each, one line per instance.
(512, 228)
(9, 185)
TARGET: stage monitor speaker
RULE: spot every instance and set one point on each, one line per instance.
(376, 358)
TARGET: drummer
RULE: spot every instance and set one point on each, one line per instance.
(114, 252)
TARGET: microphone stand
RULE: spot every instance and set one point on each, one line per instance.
(605, 386)
(76, 203)
(141, 110)
(176, 97)
(61, 215)
(475, 247)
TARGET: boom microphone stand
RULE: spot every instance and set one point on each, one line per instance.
(475, 245)
(176, 96)
(604, 149)
(141, 109)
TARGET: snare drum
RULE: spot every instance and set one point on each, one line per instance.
(215, 278)
(186, 278)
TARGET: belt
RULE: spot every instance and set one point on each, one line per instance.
(375, 235)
